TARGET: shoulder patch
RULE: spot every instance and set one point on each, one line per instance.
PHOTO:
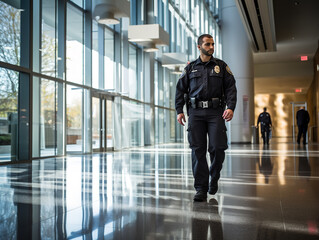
(228, 70)
(183, 73)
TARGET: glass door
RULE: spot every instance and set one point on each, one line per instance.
(102, 123)
(96, 124)
(109, 125)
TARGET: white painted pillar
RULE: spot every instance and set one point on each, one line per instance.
(237, 53)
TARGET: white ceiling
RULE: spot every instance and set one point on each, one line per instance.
(296, 26)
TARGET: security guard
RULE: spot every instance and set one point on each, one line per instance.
(207, 84)
(265, 122)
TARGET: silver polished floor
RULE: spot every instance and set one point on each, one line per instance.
(146, 193)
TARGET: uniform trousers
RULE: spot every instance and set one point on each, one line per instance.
(302, 130)
(203, 122)
(265, 131)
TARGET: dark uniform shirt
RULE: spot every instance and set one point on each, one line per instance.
(206, 80)
(302, 117)
(265, 119)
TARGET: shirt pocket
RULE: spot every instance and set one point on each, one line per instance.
(215, 79)
(195, 79)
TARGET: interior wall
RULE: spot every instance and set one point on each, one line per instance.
(280, 109)
(311, 100)
(315, 98)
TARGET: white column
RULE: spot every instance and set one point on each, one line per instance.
(237, 53)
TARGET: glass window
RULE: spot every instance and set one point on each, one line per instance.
(166, 127)
(74, 45)
(78, 2)
(48, 30)
(172, 131)
(48, 38)
(159, 125)
(160, 85)
(132, 124)
(166, 97)
(96, 123)
(14, 32)
(109, 65)
(109, 124)
(173, 78)
(47, 118)
(95, 55)
(9, 86)
(133, 80)
(74, 124)
(156, 82)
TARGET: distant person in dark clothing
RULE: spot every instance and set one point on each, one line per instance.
(265, 123)
(302, 122)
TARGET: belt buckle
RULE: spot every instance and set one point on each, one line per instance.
(205, 104)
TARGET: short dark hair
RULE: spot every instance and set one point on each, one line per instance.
(265, 109)
(201, 37)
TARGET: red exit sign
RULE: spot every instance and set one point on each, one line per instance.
(304, 58)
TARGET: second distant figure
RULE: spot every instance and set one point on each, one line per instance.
(265, 124)
(303, 119)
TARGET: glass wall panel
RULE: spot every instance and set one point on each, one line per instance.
(172, 131)
(109, 65)
(95, 55)
(133, 81)
(48, 118)
(172, 90)
(159, 125)
(9, 91)
(74, 111)
(78, 2)
(167, 127)
(14, 32)
(160, 86)
(132, 124)
(96, 123)
(48, 47)
(156, 82)
(166, 77)
(109, 124)
(74, 45)
(87, 122)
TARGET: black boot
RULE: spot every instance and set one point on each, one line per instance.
(213, 188)
(200, 196)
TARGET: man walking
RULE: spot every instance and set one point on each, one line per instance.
(265, 122)
(303, 119)
(206, 85)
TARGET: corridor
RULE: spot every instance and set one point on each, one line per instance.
(146, 193)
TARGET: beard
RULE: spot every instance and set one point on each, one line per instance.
(206, 52)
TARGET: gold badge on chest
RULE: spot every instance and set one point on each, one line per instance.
(216, 69)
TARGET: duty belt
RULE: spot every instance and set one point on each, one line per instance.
(212, 103)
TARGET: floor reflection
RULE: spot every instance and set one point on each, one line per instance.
(206, 224)
(148, 194)
(304, 168)
(265, 164)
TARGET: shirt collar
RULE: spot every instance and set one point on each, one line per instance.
(211, 60)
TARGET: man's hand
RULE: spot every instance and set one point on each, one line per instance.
(228, 115)
(181, 119)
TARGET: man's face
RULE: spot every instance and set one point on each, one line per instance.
(207, 47)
